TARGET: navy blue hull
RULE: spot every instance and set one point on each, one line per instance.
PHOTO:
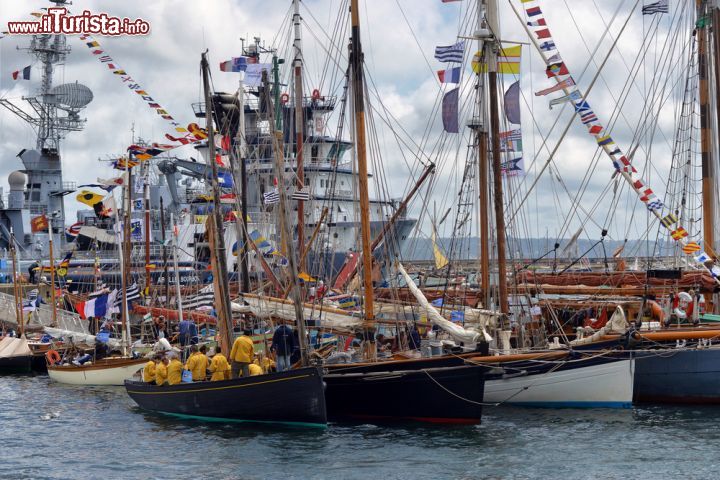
(678, 376)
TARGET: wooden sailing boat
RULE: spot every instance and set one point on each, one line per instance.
(293, 397)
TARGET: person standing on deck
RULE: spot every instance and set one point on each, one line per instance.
(174, 371)
(219, 367)
(283, 344)
(161, 371)
(197, 364)
(242, 354)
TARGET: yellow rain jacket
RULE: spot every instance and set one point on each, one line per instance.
(219, 367)
(242, 350)
(161, 373)
(174, 372)
(255, 369)
(149, 372)
(197, 364)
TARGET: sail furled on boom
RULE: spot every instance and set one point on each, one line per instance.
(556, 69)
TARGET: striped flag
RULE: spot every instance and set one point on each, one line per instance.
(691, 247)
(204, 299)
(450, 53)
(271, 197)
(668, 220)
(658, 7)
(301, 194)
(133, 293)
(449, 75)
(588, 117)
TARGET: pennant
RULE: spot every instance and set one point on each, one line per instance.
(679, 233)
(690, 248)
(702, 257)
(451, 53)
(450, 75)
(540, 22)
(576, 95)
(512, 167)
(556, 69)
(606, 140)
(544, 33)
(668, 220)
(511, 103)
(450, 111)
(567, 83)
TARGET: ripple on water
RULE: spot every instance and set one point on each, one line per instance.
(100, 433)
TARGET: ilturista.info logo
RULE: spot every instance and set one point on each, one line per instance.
(58, 21)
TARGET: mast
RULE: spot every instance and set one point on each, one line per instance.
(243, 256)
(491, 58)
(222, 294)
(708, 169)
(177, 271)
(483, 181)
(52, 274)
(356, 60)
(125, 257)
(278, 152)
(146, 195)
(164, 250)
(299, 129)
(16, 287)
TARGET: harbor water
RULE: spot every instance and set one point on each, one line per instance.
(58, 431)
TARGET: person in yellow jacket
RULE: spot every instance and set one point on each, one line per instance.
(266, 363)
(149, 370)
(219, 367)
(242, 354)
(197, 363)
(161, 371)
(255, 369)
(174, 371)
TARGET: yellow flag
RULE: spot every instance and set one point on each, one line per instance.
(440, 260)
(508, 61)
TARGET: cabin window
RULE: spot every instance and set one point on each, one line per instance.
(314, 153)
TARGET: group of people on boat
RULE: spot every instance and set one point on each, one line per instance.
(166, 368)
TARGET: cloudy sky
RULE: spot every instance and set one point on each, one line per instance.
(399, 37)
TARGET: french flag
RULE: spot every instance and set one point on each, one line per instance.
(97, 307)
(450, 75)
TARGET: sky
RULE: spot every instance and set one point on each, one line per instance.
(399, 37)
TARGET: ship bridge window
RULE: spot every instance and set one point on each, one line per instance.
(336, 152)
(314, 153)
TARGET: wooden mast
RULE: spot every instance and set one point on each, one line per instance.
(164, 251)
(299, 130)
(708, 170)
(356, 61)
(148, 227)
(279, 157)
(483, 181)
(222, 294)
(491, 57)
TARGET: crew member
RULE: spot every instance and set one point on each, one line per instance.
(197, 364)
(149, 370)
(242, 354)
(219, 367)
(161, 371)
(174, 371)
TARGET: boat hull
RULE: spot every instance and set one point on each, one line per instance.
(295, 397)
(406, 392)
(678, 376)
(16, 364)
(103, 372)
(607, 383)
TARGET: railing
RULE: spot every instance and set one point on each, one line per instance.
(42, 315)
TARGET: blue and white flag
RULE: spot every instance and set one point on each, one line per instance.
(661, 6)
(236, 64)
(451, 53)
(271, 197)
